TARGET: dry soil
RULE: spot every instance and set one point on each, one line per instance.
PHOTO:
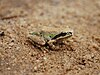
(80, 56)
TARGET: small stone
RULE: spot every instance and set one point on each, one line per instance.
(44, 58)
(17, 48)
(2, 33)
(12, 40)
(8, 68)
(11, 44)
(35, 68)
(37, 60)
(9, 47)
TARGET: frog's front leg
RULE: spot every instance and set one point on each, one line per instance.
(52, 45)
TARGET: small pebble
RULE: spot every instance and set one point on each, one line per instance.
(17, 48)
(44, 58)
(35, 68)
(11, 44)
(8, 68)
(2, 33)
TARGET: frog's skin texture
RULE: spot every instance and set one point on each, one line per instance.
(48, 38)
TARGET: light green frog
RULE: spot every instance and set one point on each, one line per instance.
(46, 38)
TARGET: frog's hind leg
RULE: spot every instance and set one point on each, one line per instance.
(41, 47)
(38, 46)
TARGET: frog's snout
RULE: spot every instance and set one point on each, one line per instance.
(69, 33)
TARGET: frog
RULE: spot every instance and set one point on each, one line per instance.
(48, 37)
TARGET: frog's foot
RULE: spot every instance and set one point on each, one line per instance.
(52, 45)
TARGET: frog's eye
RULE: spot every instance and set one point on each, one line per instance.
(51, 35)
(41, 33)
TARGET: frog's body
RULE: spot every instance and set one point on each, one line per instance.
(44, 37)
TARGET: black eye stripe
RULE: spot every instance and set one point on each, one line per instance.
(69, 33)
(62, 34)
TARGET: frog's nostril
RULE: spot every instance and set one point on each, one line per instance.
(69, 33)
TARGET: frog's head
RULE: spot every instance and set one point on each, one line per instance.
(62, 35)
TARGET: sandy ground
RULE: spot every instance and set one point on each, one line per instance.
(81, 56)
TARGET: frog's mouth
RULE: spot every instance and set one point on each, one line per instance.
(62, 35)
